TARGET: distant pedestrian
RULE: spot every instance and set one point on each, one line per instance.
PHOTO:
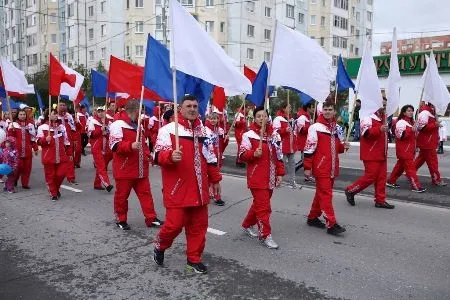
(10, 157)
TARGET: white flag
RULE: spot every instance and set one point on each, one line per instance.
(66, 89)
(434, 88)
(367, 84)
(393, 88)
(299, 62)
(14, 79)
(194, 52)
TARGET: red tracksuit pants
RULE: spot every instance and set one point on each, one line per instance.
(408, 166)
(54, 176)
(77, 151)
(375, 172)
(24, 170)
(71, 165)
(101, 162)
(323, 201)
(142, 188)
(429, 156)
(195, 223)
(259, 212)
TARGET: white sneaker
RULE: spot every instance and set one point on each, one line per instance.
(270, 243)
(250, 231)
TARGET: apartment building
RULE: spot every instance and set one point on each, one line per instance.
(341, 26)
(420, 44)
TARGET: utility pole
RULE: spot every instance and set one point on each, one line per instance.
(164, 23)
(85, 35)
(78, 32)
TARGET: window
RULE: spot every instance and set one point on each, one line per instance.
(91, 11)
(158, 2)
(322, 41)
(353, 11)
(289, 11)
(368, 31)
(250, 6)
(351, 48)
(344, 43)
(186, 2)
(352, 29)
(358, 16)
(250, 53)
(369, 16)
(340, 22)
(267, 12)
(339, 42)
(209, 26)
(334, 62)
(267, 34)
(222, 26)
(91, 33)
(53, 37)
(370, 2)
(7, 34)
(103, 53)
(313, 20)
(139, 3)
(322, 21)
(139, 27)
(158, 22)
(53, 18)
(103, 30)
(267, 56)
(70, 10)
(64, 58)
(128, 51)
(209, 3)
(324, 3)
(341, 4)
(69, 32)
(13, 32)
(128, 4)
(102, 6)
(301, 18)
(63, 37)
(91, 55)
(356, 51)
(71, 54)
(250, 30)
(357, 33)
(139, 51)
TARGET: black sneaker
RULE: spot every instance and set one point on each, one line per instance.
(384, 205)
(219, 202)
(99, 188)
(109, 188)
(54, 198)
(419, 190)
(154, 223)
(393, 185)
(310, 179)
(158, 257)
(350, 197)
(123, 225)
(298, 166)
(336, 229)
(198, 268)
(316, 223)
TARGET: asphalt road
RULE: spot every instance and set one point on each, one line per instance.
(71, 249)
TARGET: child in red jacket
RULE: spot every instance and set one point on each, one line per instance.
(265, 169)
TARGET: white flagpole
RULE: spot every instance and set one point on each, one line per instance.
(141, 102)
(175, 107)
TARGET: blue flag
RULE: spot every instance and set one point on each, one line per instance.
(201, 90)
(259, 86)
(99, 83)
(305, 98)
(149, 105)
(2, 92)
(343, 81)
(86, 103)
(40, 102)
(12, 103)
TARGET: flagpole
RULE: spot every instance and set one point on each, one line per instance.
(175, 106)
(291, 136)
(336, 93)
(141, 102)
(49, 111)
(315, 111)
(9, 108)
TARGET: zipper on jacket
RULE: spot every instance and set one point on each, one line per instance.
(124, 163)
(253, 171)
(320, 162)
(175, 187)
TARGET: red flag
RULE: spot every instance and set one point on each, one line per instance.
(219, 98)
(58, 75)
(249, 73)
(80, 97)
(124, 77)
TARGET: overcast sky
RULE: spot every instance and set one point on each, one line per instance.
(409, 16)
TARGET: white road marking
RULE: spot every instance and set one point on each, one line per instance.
(71, 189)
(215, 231)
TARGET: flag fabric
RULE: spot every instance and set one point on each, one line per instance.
(219, 98)
(86, 103)
(259, 86)
(72, 92)
(343, 81)
(194, 52)
(393, 88)
(2, 92)
(81, 95)
(12, 103)
(249, 73)
(368, 87)
(99, 83)
(124, 77)
(14, 79)
(434, 89)
(39, 100)
(58, 75)
(149, 105)
(299, 62)
(305, 98)
(201, 89)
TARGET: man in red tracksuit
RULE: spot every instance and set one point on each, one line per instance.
(302, 125)
(373, 153)
(25, 134)
(427, 142)
(98, 132)
(322, 150)
(131, 166)
(67, 120)
(186, 173)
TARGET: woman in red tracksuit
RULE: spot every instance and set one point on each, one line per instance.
(265, 169)
(218, 135)
(54, 141)
(102, 154)
(405, 149)
(25, 134)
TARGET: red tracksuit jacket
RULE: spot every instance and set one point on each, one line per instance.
(99, 142)
(240, 126)
(25, 135)
(428, 137)
(322, 149)
(302, 123)
(262, 171)
(82, 119)
(373, 142)
(186, 183)
(55, 151)
(405, 139)
(280, 124)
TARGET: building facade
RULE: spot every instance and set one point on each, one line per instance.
(419, 44)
